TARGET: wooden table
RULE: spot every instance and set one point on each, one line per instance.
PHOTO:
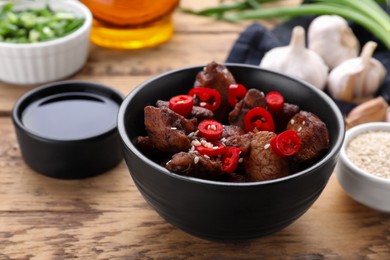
(105, 217)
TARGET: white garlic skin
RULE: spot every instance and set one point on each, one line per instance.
(297, 61)
(331, 37)
(357, 79)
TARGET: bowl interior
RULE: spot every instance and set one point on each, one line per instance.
(180, 81)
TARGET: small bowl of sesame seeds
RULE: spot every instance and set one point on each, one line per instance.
(363, 169)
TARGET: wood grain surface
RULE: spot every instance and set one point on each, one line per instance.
(105, 217)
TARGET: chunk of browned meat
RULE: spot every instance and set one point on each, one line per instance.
(253, 98)
(217, 76)
(232, 130)
(262, 163)
(241, 141)
(313, 134)
(281, 119)
(167, 130)
(194, 165)
(200, 113)
(145, 144)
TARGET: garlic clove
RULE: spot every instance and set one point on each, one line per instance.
(297, 61)
(374, 110)
(331, 37)
(357, 79)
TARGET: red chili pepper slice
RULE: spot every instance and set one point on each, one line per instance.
(182, 104)
(209, 98)
(236, 92)
(216, 149)
(230, 159)
(286, 143)
(275, 102)
(260, 119)
(210, 129)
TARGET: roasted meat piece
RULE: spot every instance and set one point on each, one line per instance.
(217, 76)
(195, 165)
(232, 130)
(262, 163)
(241, 141)
(167, 130)
(281, 119)
(253, 98)
(313, 134)
(200, 113)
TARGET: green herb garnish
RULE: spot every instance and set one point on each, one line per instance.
(36, 25)
(366, 13)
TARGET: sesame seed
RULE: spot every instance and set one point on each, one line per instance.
(266, 146)
(196, 143)
(206, 144)
(196, 159)
(202, 104)
(213, 127)
(206, 156)
(241, 160)
(174, 128)
(292, 121)
(299, 129)
(303, 122)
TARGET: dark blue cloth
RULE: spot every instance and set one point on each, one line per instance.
(256, 40)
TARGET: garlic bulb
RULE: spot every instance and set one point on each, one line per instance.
(331, 37)
(357, 79)
(297, 61)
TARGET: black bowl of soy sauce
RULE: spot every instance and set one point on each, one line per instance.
(68, 129)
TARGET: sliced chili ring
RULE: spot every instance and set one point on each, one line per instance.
(210, 129)
(230, 159)
(236, 92)
(286, 143)
(275, 102)
(208, 97)
(182, 104)
(260, 119)
(215, 149)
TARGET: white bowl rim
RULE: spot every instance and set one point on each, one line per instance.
(352, 133)
(128, 143)
(86, 13)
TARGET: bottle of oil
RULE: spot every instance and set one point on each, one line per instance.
(131, 24)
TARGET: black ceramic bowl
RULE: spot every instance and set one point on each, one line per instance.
(228, 211)
(67, 129)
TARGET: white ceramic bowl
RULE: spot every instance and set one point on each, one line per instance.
(364, 187)
(36, 63)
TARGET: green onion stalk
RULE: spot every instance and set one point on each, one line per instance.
(367, 13)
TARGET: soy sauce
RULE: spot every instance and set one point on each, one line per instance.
(71, 116)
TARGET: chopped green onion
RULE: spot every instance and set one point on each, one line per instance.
(36, 25)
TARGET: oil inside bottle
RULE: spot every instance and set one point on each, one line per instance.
(131, 24)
